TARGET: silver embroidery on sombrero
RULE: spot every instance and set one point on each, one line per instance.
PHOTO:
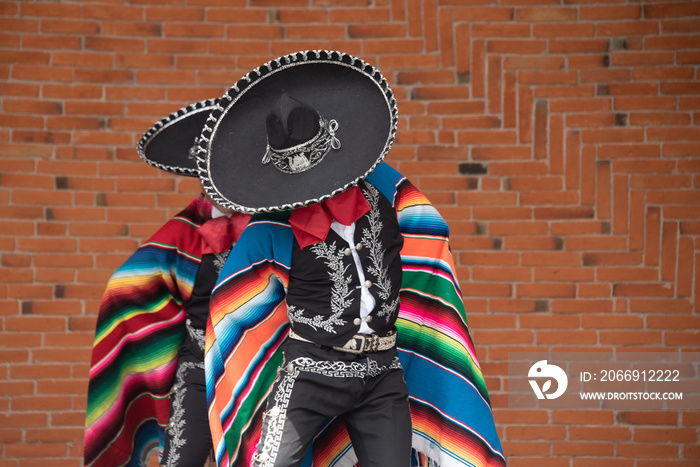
(302, 157)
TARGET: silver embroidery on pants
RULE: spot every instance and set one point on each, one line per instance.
(197, 335)
(274, 418)
(337, 369)
(176, 424)
(276, 415)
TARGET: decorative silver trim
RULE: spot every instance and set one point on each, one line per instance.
(176, 424)
(304, 156)
(268, 69)
(201, 106)
(197, 335)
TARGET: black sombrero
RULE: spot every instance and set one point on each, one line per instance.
(296, 131)
(168, 144)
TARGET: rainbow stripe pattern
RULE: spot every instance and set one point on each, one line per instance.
(450, 408)
(140, 327)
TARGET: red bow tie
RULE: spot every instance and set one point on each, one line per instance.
(311, 224)
(222, 232)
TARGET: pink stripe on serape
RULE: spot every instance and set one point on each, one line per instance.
(132, 379)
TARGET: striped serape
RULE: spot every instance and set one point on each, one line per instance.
(140, 327)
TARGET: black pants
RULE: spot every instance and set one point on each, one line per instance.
(187, 436)
(314, 383)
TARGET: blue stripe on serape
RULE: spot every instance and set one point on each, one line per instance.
(460, 400)
(148, 436)
(248, 249)
(151, 260)
(386, 179)
(423, 220)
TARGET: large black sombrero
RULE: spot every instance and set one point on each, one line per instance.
(247, 156)
(168, 144)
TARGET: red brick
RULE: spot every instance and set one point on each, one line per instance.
(579, 449)
(654, 451)
(545, 14)
(666, 306)
(569, 29)
(19, 25)
(681, 338)
(448, 41)
(35, 450)
(671, 10)
(501, 274)
(500, 30)
(526, 448)
(486, 290)
(549, 290)
(643, 290)
(641, 58)
(572, 46)
(376, 30)
(525, 102)
(516, 46)
(550, 322)
(524, 432)
(645, 103)
(662, 73)
(672, 134)
(607, 461)
(23, 419)
(581, 105)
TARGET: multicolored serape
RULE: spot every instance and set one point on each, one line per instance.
(451, 414)
(140, 327)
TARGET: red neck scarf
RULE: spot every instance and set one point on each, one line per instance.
(222, 232)
(311, 224)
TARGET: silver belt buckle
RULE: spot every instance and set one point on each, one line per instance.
(361, 342)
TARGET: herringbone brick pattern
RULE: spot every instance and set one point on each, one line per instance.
(559, 138)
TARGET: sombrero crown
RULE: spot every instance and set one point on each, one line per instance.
(296, 131)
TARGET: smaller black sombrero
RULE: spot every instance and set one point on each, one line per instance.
(169, 143)
(296, 131)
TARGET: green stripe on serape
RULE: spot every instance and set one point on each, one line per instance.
(247, 410)
(440, 348)
(105, 388)
(438, 285)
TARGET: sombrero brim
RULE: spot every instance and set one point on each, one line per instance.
(167, 144)
(340, 87)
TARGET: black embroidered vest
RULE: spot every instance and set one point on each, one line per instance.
(323, 298)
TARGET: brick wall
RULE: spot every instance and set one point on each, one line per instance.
(558, 138)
